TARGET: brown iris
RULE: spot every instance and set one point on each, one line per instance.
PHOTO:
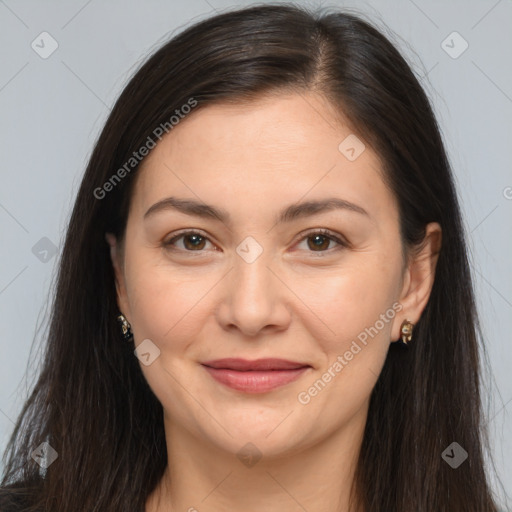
(318, 238)
(197, 241)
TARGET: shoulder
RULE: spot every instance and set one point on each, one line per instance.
(11, 501)
(15, 497)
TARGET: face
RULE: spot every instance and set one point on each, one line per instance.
(323, 287)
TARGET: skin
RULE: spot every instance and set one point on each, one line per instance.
(195, 305)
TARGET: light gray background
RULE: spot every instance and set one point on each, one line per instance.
(52, 110)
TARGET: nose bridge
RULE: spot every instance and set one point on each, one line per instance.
(254, 296)
(251, 273)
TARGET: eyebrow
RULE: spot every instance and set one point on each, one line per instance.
(290, 213)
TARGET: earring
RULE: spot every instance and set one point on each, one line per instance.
(125, 328)
(406, 331)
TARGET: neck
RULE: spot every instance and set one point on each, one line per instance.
(201, 477)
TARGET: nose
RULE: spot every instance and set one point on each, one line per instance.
(255, 298)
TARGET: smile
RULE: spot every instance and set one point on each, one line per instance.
(258, 376)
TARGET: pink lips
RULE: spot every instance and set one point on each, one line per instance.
(257, 376)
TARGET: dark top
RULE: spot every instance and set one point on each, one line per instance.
(14, 497)
(12, 503)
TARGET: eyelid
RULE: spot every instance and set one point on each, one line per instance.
(335, 237)
(175, 236)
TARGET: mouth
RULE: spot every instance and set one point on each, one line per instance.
(259, 376)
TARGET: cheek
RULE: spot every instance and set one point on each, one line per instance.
(165, 303)
(336, 306)
(349, 303)
(358, 307)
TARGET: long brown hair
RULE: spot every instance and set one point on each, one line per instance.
(91, 402)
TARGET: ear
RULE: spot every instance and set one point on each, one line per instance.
(116, 258)
(419, 278)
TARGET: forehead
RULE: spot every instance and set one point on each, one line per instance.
(268, 129)
(273, 150)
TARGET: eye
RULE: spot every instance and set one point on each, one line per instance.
(320, 239)
(192, 241)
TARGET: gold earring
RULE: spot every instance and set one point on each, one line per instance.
(125, 328)
(406, 331)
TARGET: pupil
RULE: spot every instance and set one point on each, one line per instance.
(194, 240)
(320, 241)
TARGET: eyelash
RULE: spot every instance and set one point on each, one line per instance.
(323, 232)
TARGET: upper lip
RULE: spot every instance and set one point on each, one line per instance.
(258, 364)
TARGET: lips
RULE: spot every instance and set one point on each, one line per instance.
(243, 365)
(259, 376)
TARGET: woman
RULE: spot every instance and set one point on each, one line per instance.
(264, 300)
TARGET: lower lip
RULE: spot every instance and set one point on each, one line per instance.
(255, 381)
